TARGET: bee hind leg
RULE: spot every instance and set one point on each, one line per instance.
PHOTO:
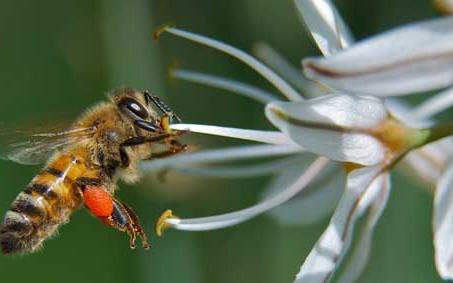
(114, 214)
(124, 219)
(134, 227)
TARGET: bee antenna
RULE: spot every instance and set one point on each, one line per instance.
(161, 105)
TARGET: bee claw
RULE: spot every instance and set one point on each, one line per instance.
(132, 238)
(123, 218)
(146, 246)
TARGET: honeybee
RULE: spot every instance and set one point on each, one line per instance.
(104, 144)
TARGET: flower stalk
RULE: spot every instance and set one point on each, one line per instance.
(438, 132)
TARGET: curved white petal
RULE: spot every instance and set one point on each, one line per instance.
(361, 253)
(402, 111)
(325, 24)
(443, 225)
(312, 205)
(219, 155)
(290, 73)
(414, 58)
(363, 185)
(333, 126)
(433, 105)
(246, 171)
(256, 65)
(241, 88)
(294, 186)
(430, 161)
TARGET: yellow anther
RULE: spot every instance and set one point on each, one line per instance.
(162, 224)
(165, 123)
(160, 29)
(444, 7)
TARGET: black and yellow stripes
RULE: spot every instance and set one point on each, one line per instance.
(44, 204)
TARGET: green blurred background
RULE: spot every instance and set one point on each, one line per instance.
(58, 57)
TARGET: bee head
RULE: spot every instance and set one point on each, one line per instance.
(140, 107)
(133, 104)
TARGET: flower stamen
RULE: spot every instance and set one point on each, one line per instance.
(162, 224)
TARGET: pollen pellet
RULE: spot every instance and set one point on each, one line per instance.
(98, 201)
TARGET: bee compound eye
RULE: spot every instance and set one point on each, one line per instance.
(134, 106)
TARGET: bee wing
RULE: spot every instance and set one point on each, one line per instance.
(28, 148)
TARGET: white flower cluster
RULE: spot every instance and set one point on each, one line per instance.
(343, 120)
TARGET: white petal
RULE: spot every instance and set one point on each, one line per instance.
(288, 72)
(413, 58)
(359, 258)
(241, 88)
(312, 205)
(219, 155)
(233, 218)
(420, 166)
(270, 137)
(428, 162)
(403, 112)
(326, 126)
(443, 225)
(259, 67)
(247, 171)
(363, 185)
(433, 105)
(325, 25)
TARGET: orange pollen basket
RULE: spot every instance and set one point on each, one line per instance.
(98, 201)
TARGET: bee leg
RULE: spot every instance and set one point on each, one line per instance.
(125, 161)
(175, 148)
(114, 213)
(124, 219)
(138, 140)
(135, 224)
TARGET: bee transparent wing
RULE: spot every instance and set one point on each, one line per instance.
(30, 153)
(28, 148)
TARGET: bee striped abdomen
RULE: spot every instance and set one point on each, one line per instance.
(45, 203)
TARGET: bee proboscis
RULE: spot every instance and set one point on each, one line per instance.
(104, 144)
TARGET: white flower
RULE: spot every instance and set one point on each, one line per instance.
(357, 130)
(390, 64)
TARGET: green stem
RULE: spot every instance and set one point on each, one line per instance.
(438, 132)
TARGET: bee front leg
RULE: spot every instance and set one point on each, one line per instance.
(135, 141)
(114, 214)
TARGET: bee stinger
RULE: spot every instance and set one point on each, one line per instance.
(104, 144)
